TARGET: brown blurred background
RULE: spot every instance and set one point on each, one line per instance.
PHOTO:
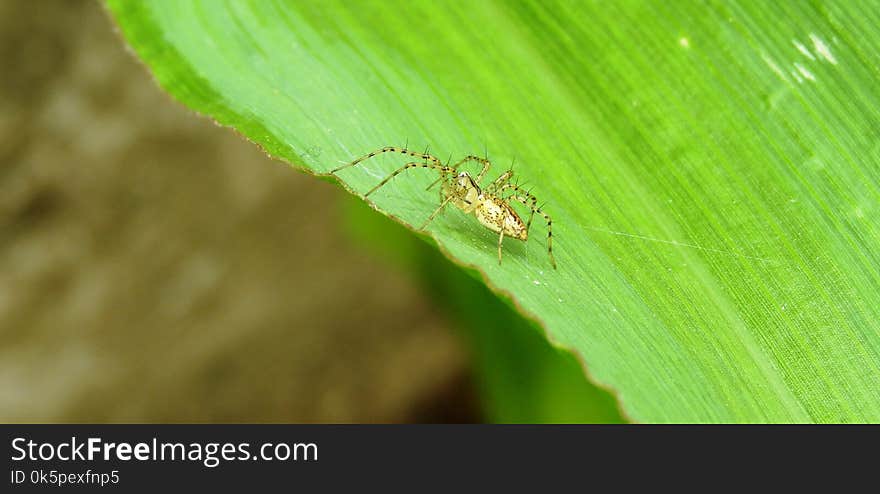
(156, 267)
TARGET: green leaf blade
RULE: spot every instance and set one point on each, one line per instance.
(712, 171)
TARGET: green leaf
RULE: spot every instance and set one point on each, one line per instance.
(521, 378)
(711, 169)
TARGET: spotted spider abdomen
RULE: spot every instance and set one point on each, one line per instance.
(499, 216)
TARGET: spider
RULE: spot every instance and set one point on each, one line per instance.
(489, 204)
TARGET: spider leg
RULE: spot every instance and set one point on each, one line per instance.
(486, 164)
(530, 202)
(442, 168)
(501, 181)
(436, 211)
(435, 182)
(391, 149)
(442, 176)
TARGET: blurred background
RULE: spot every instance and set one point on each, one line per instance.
(157, 268)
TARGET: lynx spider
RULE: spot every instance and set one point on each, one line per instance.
(490, 206)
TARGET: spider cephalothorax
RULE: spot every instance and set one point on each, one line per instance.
(463, 191)
(490, 205)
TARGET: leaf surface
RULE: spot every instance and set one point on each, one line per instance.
(711, 169)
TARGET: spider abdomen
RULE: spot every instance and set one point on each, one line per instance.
(497, 216)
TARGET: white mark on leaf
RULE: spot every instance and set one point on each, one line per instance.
(803, 49)
(804, 72)
(775, 68)
(822, 49)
